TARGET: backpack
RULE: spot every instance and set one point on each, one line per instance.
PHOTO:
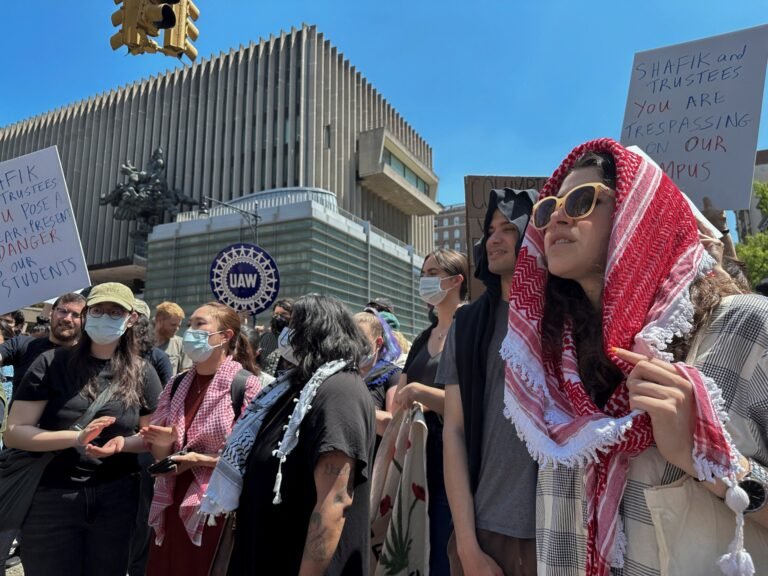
(236, 391)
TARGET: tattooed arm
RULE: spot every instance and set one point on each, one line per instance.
(334, 475)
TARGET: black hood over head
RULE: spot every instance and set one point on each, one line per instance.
(516, 205)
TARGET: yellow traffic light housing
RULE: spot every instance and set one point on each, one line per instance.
(177, 40)
(156, 15)
(127, 19)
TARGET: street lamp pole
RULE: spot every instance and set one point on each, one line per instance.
(253, 217)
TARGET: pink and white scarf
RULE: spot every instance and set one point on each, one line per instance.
(207, 435)
(654, 255)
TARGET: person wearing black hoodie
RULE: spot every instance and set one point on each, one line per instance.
(490, 477)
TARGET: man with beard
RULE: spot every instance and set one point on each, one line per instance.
(21, 351)
(66, 323)
(269, 355)
(168, 318)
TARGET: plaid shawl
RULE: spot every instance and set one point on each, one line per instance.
(654, 255)
(207, 433)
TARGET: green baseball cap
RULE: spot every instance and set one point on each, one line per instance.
(111, 292)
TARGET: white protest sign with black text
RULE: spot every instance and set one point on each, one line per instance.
(40, 252)
(695, 109)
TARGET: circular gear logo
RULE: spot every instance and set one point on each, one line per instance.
(245, 278)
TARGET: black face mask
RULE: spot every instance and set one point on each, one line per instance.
(277, 324)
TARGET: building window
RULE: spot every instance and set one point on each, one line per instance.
(327, 136)
(445, 221)
(445, 234)
(437, 237)
(398, 166)
(456, 220)
(457, 233)
(457, 246)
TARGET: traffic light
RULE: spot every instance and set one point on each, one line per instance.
(177, 40)
(127, 19)
(156, 15)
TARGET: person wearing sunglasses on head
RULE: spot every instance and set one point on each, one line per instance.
(626, 355)
(83, 510)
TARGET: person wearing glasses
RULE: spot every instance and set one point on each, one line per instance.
(626, 355)
(66, 324)
(83, 510)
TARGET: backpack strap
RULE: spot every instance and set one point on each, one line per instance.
(176, 381)
(236, 391)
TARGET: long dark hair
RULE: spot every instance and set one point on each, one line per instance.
(323, 330)
(238, 346)
(127, 368)
(145, 336)
(565, 299)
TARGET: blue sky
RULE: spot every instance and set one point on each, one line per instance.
(496, 87)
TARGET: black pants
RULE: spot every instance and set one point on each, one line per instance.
(142, 533)
(82, 531)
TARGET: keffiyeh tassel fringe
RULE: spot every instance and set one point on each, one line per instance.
(584, 447)
(737, 562)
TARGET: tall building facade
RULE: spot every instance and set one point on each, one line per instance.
(451, 228)
(288, 111)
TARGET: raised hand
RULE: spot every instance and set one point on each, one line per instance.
(110, 448)
(657, 388)
(163, 436)
(93, 429)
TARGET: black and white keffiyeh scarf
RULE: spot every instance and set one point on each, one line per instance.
(226, 484)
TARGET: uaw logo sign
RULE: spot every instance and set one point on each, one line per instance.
(245, 278)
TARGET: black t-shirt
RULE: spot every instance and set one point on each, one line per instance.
(270, 538)
(161, 363)
(381, 378)
(21, 351)
(50, 378)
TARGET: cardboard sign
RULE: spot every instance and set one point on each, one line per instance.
(245, 278)
(40, 252)
(477, 190)
(695, 109)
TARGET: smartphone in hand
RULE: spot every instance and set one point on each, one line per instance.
(165, 465)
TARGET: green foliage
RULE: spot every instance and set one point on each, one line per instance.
(753, 250)
(760, 190)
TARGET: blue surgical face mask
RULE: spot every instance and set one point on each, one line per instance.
(195, 344)
(105, 330)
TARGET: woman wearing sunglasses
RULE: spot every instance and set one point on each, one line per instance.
(84, 508)
(625, 356)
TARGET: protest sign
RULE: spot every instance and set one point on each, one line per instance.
(695, 109)
(40, 252)
(477, 190)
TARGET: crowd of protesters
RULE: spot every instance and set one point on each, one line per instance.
(601, 408)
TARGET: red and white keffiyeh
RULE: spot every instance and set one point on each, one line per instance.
(207, 434)
(654, 255)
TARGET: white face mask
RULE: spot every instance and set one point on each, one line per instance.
(430, 290)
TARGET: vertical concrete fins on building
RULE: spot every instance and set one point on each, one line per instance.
(286, 111)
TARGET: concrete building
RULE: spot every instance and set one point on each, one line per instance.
(289, 111)
(451, 228)
(318, 247)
